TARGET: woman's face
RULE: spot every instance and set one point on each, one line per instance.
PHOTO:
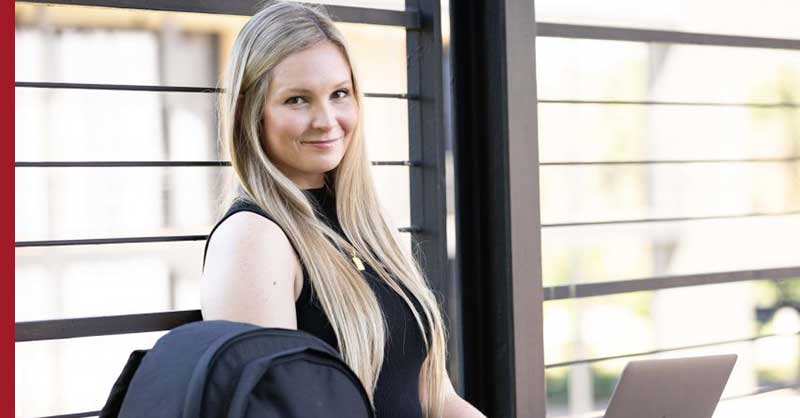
(309, 114)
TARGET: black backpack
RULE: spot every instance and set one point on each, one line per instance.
(223, 369)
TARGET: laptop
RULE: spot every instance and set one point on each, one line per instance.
(671, 388)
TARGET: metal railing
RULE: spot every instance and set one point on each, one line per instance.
(165, 89)
(409, 19)
(424, 118)
(667, 350)
(424, 97)
(605, 33)
(584, 290)
(490, 41)
(105, 164)
(141, 240)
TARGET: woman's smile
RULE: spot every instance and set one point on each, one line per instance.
(322, 144)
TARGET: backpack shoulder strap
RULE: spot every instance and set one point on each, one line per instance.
(115, 398)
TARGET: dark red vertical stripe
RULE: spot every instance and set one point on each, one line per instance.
(7, 205)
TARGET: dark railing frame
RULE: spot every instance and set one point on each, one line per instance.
(485, 176)
(653, 162)
(408, 19)
(663, 103)
(142, 240)
(106, 164)
(668, 350)
(57, 329)
(497, 208)
(606, 33)
(587, 290)
(677, 219)
(421, 19)
(164, 89)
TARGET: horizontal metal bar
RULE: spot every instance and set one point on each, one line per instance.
(78, 415)
(559, 30)
(661, 103)
(141, 240)
(666, 350)
(106, 164)
(57, 329)
(764, 389)
(409, 19)
(585, 290)
(165, 89)
(681, 219)
(103, 241)
(402, 96)
(649, 162)
(116, 87)
(399, 163)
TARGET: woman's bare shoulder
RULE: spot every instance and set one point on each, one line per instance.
(250, 273)
(244, 229)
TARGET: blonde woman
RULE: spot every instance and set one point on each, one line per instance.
(303, 243)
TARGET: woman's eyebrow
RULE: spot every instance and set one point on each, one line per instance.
(305, 90)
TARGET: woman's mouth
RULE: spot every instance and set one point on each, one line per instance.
(321, 144)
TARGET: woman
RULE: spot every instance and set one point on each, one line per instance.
(304, 244)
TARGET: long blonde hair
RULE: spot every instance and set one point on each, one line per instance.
(278, 30)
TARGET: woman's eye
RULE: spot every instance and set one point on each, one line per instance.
(344, 91)
(338, 94)
(291, 100)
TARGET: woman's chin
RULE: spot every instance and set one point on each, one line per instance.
(326, 163)
(324, 168)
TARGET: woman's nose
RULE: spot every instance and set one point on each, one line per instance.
(324, 117)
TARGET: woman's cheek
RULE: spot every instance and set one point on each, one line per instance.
(352, 118)
(294, 123)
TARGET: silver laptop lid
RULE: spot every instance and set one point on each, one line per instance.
(671, 388)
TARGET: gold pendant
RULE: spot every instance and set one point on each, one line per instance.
(357, 262)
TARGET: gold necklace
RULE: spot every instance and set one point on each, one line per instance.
(357, 261)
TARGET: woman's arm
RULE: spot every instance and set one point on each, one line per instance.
(250, 273)
(454, 405)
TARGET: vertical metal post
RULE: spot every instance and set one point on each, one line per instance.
(426, 142)
(497, 205)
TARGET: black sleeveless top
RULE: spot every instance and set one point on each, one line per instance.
(397, 391)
